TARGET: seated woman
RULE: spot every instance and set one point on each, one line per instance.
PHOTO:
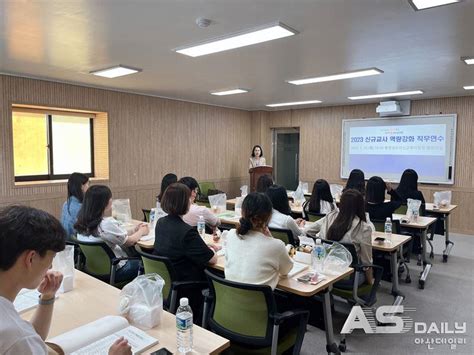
(179, 241)
(194, 211)
(408, 188)
(349, 225)
(281, 211)
(92, 224)
(321, 200)
(356, 181)
(252, 255)
(263, 183)
(77, 186)
(376, 206)
(167, 180)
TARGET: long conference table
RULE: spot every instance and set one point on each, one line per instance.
(92, 299)
(292, 285)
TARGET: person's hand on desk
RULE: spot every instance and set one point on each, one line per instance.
(120, 347)
(50, 284)
(214, 247)
(143, 229)
(300, 222)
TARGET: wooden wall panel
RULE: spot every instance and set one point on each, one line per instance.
(148, 137)
(320, 145)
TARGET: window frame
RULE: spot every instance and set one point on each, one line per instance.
(50, 140)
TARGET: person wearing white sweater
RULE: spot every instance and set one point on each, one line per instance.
(252, 255)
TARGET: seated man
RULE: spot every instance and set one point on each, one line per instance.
(29, 240)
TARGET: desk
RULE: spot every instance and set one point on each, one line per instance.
(397, 241)
(92, 299)
(422, 224)
(445, 212)
(298, 210)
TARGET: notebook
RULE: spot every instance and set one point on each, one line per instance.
(297, 268)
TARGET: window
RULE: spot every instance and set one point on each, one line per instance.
(51, 145)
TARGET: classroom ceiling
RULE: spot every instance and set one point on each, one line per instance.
(65, 40)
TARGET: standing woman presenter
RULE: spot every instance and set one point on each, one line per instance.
(256, 159)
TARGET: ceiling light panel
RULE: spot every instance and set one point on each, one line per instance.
(390, 94)
(115, 72)
(229, 92)
(294, 103)
(237, 40)
(333, 77)
(428, 4)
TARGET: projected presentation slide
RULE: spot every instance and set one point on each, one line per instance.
(387, 147)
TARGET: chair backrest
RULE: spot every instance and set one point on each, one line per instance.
(313, 217)
(380, 225)
(98, 257)
(160, 265)
(241, 312)
(285, 235)
(204, 188)
(402, 209)
(146, 215)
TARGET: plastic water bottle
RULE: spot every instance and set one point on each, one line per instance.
(184, 326)
(201, 226)
(319, 254)
(388, 230)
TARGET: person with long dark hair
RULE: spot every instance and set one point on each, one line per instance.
(256, 158)
(349, 224)
(321, 200)
(92, 224)
(376, 206)
(281, 214)
(408, 188)
(167, 180)
(252, 254)
(356, 181)
(263, 183)
(77, 186)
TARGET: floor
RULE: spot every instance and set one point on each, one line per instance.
(447, 298)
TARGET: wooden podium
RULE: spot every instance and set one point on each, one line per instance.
(255, 174)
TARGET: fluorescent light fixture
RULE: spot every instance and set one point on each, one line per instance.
(427, 4)
(348, 75)
(295, 103)
(468, 60)
(115, 72)
(229, 92)
(471, 87)
(240, 39)
(390, 94)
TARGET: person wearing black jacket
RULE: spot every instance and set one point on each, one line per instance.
(376, 206)
(408, 188)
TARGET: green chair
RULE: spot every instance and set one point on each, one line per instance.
(247, 315)
(101, 262)
(313, 217)
(204, 188)
(285, 235)
(146, 215)
(402, 209)
(355, 289)
(162, 266)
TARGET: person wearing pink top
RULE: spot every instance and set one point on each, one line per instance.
(195, 210)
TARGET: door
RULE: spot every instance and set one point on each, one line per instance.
(286, 150)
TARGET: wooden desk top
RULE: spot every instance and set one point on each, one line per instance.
(83, 305)
(421, 223)
(440, 210)
(294, 209)
(397, 241)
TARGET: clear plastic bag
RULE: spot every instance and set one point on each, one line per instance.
(304, 186)
(218, 202)
(442, 199)
(244, 190)
(413, 209)
(64, 263)
(336, 191)
(121, 210)
(238, 205)
(298, 196)
(337, 260)
(141, 301)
